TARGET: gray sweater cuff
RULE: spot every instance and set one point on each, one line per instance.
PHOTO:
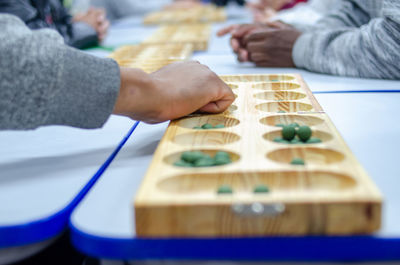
(300, 50)
(88, 87)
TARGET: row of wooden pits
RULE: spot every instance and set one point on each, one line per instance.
(220, 137)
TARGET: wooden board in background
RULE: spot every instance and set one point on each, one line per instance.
(195, 34)
(200, 14)
(331, 195)
(151, 57)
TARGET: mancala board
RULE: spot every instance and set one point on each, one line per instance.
(195, 34)
(198, 14)
(330, 195)
(151, 57)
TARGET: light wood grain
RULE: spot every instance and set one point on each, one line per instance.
(331, 195)
(200, 14)
(151, 57)
(195, 34)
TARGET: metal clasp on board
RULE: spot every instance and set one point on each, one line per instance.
(258, 209)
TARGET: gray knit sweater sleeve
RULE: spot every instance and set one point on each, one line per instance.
(349, 48)
(44, 82)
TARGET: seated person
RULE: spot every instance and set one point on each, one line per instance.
(82, 31)
(45, 82)
(360, 38)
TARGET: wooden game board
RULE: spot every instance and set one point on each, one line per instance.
(331, 195)
(201, 14)
(195, 34)
(151, 57)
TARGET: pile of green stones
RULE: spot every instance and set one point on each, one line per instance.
(296, 134)
(200, 159)
(208, 126)
(226, 189)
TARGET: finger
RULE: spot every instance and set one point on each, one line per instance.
(257, 36)
(255, 46)
(258, 57)
(103, 27)
(226, 30)
(235, 44)
(222, 102)
(243, 30)
(243, 55)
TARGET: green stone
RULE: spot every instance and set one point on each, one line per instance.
(222, 154)
(297, 161)
(281, 111)
(280, 140)
(181, 163)
(261, 189)
(207, 126)
(219, 161)
(280, 125)
(192, 157)
(288, 132)
(219, 126)
(314, 141)
(304, 133)
(222, 158)
(295, 124)
(225, 189)
(204, 162)
(295, 141)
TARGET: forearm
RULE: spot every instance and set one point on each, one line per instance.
(45, 82)
(369, 52)
(346, 14)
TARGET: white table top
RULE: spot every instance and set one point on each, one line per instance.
(368, 129)
(42, 170)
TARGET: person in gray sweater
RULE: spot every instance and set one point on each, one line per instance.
(45, 82)
(361, 38)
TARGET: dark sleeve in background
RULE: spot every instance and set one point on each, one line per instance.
(36, 15)
(25, 11)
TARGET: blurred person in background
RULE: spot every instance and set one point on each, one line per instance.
(81, 31)
(117, 9)
(359, 38)
(299, 12)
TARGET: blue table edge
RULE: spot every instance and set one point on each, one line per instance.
(51, 226)
(310, 248)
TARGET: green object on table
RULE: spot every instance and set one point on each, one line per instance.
(197, 128)
(280, 125)
(288, 132)
(191, 157)
(219, 126)
(224, 189)
(207, 126)
(295, 141)
(314, 141)
(297, 161)
(294, 124)
(181, 163)
(304, 133)
(205, 161)
(280, 140)
(281, 111)
(261, 189)
(222, 158)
